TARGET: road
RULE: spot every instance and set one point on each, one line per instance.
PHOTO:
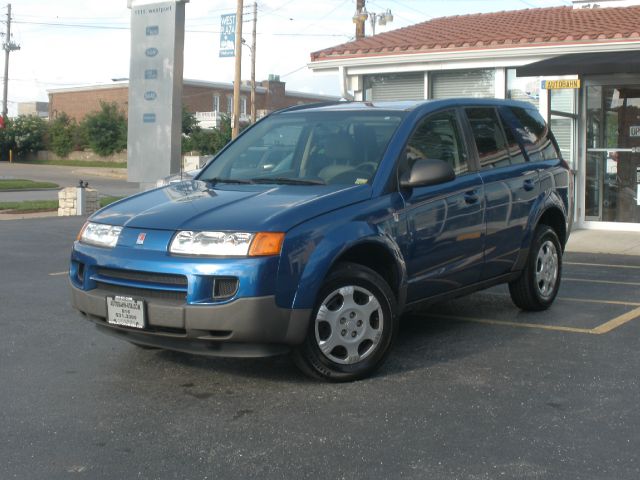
(473, 389)
(65, 177)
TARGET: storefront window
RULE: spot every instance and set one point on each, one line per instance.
(613, 164)
(563, 121)
(463, 83)
(394, 86)
(524, 89)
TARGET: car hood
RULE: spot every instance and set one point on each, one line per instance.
(197, 205)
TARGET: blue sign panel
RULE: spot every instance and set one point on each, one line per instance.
(150, 95)
(151, 74)
(228, 35)
(151, 52)
(149, 118)
(152, 30)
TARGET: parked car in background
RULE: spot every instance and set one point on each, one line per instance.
(317, 227)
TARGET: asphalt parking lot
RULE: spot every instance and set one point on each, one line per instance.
(474, 389)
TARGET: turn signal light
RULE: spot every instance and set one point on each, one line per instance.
(266, 243)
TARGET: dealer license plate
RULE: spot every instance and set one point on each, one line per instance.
(125, 311)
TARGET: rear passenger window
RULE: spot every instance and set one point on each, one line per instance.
(515, 152)
(533, 133)
(438, 137)
(489, 137)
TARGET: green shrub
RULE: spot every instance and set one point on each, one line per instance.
(106, 130)
(28, 133)
(62, 135)
(208, 142)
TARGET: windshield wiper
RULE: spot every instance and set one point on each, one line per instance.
(288, 181)
(228, 180)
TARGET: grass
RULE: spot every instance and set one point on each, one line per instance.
(29, 206)
(33, 206)
(78, 163)
(20, 184)
(104, 201)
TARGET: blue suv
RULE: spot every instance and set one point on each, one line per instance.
(318, 226)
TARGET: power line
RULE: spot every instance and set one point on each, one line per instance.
(293, 71)
(105, 27)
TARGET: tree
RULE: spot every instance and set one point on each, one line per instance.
(28, 133)
(208, 142)
(106, 130)
(189, 122)
(63, 132)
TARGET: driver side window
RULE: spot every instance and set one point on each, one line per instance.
(437, 137)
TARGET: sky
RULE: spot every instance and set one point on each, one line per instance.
(66, 43)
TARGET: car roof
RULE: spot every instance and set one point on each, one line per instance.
(401, 106)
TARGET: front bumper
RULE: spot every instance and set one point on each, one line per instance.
(246, 327)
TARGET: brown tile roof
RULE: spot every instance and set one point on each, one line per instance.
(501, 29)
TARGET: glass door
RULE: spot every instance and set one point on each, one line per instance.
(613, 153)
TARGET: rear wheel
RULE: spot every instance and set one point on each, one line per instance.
(538, 285)
(352, 327)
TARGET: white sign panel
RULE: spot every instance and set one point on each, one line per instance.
(228, 35)
(155, 90)
(634, 131)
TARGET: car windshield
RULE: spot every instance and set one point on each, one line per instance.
(307, 148)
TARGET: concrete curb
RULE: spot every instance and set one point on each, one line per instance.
(23, 216)
(13, 190)
(119, 173)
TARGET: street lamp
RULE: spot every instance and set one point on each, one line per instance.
(382, 18)
(253, 80)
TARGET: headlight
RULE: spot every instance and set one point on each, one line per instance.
(227, 244)
(100, 235)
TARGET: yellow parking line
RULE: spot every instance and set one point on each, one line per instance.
(604, 302)
(606, 265)
(599, 330)
(581, 300)
(616, 322)
(487, 321)
(610, 282)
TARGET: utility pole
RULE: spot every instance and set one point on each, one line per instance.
(253, 63)
(235, 127)
(8, 46)
(359, 18)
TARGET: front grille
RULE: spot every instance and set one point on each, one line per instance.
(143, 292)
(147, 277)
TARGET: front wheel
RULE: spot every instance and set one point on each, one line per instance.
(538, 285)
(352, 326)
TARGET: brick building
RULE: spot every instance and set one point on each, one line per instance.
(208, 100)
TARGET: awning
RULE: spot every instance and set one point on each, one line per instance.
(584, 64)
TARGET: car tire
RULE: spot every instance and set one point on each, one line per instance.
(352, 326)
(538, 285)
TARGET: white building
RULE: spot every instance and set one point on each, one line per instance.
(595, 117)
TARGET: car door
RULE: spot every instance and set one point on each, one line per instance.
(444, 222)
(511, 185)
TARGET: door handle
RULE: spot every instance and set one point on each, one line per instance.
(529, 185)
(471, 197)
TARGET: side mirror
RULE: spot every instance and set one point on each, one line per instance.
(425, 172)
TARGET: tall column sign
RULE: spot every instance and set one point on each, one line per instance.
(155, 89)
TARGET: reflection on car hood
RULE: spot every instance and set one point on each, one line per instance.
(196, 205)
